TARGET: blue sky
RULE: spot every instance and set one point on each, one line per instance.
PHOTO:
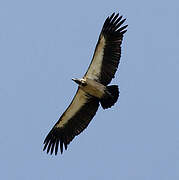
(43, 45)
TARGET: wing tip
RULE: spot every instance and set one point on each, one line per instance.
(113, 24)
(51, 142)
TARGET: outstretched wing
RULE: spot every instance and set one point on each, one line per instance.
(73, 121)
(108, 50)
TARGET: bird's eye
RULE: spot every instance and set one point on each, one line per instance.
(83, 83)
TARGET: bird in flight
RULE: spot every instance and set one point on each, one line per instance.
(93, 89)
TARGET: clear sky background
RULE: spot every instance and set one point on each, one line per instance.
(43, 44)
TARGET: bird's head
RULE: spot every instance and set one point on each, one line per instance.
(80, 82)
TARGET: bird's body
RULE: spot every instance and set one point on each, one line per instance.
(93, 88)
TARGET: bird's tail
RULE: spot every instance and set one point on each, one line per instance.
(110, 97)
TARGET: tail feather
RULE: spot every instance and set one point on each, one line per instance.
(111, 96)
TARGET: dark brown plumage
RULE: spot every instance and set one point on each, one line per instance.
(113, 34)
(84, 105)
(75, 126)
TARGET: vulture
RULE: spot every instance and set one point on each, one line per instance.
(93, 89)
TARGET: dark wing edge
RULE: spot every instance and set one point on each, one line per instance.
(108, 50)
(113, 32)
(75, 125)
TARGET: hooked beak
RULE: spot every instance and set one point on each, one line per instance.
(76, 80)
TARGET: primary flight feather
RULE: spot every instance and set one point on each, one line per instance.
(92, 88)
